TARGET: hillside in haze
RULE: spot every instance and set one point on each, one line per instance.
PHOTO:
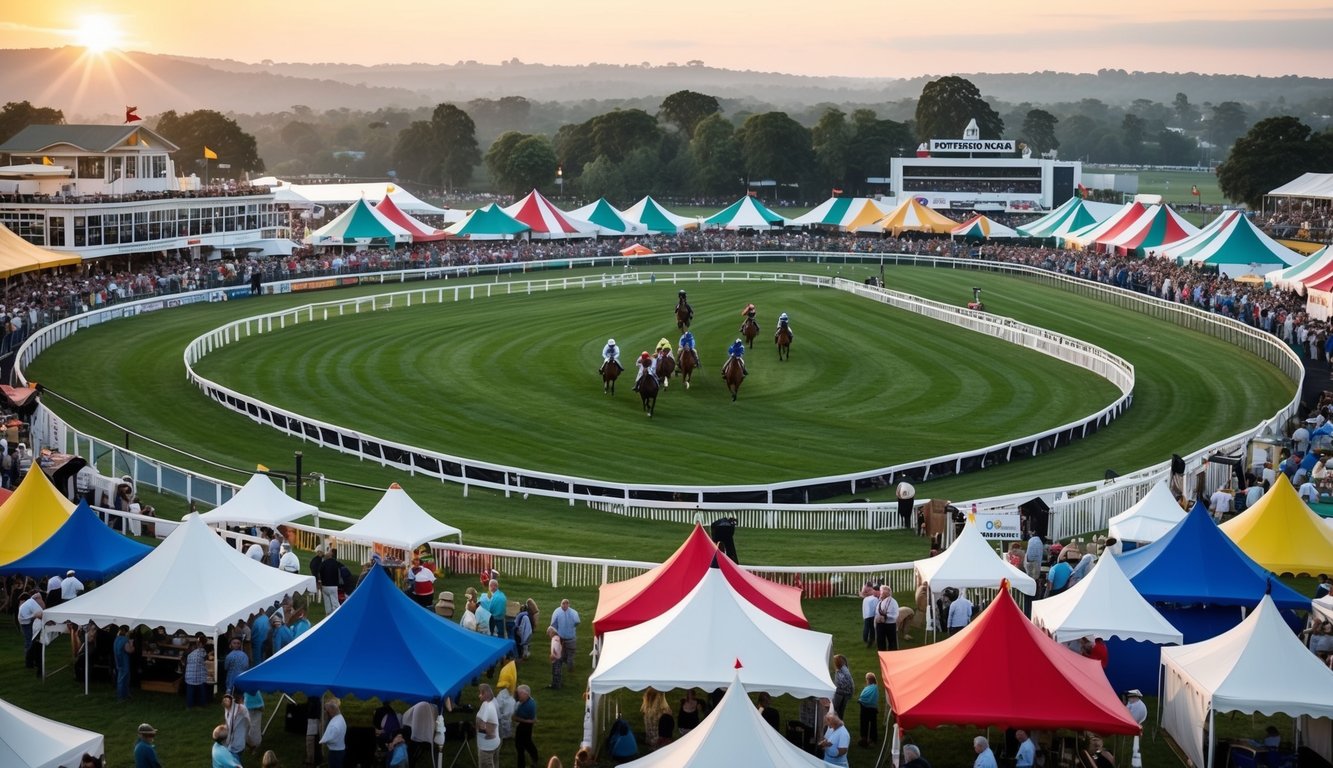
(89, 88)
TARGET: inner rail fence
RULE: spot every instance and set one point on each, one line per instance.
(1076, 508)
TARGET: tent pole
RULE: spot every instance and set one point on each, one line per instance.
(1212, 736)
(87, 654)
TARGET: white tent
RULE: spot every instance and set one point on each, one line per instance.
(398, 521)
(1105, 605)
(339, 194)
(1149, 519)
(971, 562)
(259, 502)
(32, 741)
(1259, 667)
(1307, 185)
(1323, 607)
(193, 582)
(698, 643)
(733, 735)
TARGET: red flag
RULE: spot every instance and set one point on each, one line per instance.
(1194, 190)
(738, 663)
(1082, 191)
(130, 117)
(836, 191)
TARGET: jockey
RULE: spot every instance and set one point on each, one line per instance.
(784, 322)
(611, 353)
(663, 345)
(681, 302)
(747, 313)
(647, 365)
(736, 350)
(687, 342)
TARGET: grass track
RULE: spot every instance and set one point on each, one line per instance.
(867, 386)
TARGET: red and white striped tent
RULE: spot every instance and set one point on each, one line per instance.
(549, 222)
(421, 232)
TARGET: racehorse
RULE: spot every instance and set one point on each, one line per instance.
(734, 374)
(689, 360)
(666, 366)
(683, 316)
(749, 329)
(648, 392)
(784, 343)
(610, 371)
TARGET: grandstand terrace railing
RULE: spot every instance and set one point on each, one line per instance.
(509, 479)
(1076, 508)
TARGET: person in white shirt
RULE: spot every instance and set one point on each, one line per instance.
(30, 620)
(985, 758)
(256, 552)
(289, 562)
(1254, 493)
(1308, 492)
(488, 730)
(1134, 703)
(960, 613)
(869, 602)
(70, 587)
(1220, 503)
(335, 734)
(886, 621)
(1033, 557)
(53, 590)
(1027, 751)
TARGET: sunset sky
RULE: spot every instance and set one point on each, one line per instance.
(876, 38)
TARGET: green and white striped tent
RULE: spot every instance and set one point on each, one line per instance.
(612, 221)
(489, 223)
(360, 224)
(1235, 246)
(1318, 263)
(652, 215)
(839, 212)
(1074, 214)
(746, 213)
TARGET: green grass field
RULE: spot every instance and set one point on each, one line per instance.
(1191, 390)
(867, 386)
(1173, 186)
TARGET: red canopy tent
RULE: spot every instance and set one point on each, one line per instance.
(1002, 671)
(646, 596)
(421, 233)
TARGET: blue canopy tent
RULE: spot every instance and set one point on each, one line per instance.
(1201, 582)
(84, 544)
(379, 644)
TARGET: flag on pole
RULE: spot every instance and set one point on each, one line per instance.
(1082, 192)
(130, 117)
(1194, 190)
(46, 160)
(209, 154)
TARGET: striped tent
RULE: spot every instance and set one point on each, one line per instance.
(1158, 226)
(1235, 246)
(912, 216)
(652, 215)
(488, 223)
(981, 227)
(548, 222)
(1106, 229)
(360, 224)
(421, 232)
(746, 213)
(609, 219)
(1319, 263)
(839, 212)
(1074, 214)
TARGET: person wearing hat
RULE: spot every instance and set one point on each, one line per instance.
(683, 305)
(647, 366)
(70, 587)
(687, 343)
(145, 749)
(783, 322)
(736, 350)
(610, 354)
(289, 562)
(1134, 703)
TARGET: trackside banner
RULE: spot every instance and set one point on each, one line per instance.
(973, 145)
(997, 525)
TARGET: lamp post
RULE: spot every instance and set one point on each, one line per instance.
(560, 180)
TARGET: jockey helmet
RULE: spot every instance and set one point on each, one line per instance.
(738, 341)
(782, 316)
(645, 356)
(681, 292)
(610, 342)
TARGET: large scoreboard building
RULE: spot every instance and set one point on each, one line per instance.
(983, 174)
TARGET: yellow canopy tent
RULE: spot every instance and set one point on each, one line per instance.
(18, 255)
(866, 218)
(911, 216)
(1282, 534)
(30, 515)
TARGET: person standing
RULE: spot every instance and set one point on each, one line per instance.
(335, 734)
(145, 749)
(869, 602)
(53, 590)
(1134, 703)
(289, 562)
(488, 730)
(842, 685)
(237, 720)
(499, 608)
(222, 755)
(196, 675)
(960, 613)
(1027, 751)
(869, 701)
(1036, 552)
(525, 717)
(235, 662)
(906, 494)
(70, 587)
(423, 583)
(557, 657)
(330, 577)
(565, 620)
(836, 740)
(30, 619)
(886, 621)
(121, 649)
(985, 758)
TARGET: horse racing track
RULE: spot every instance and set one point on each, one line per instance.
(514, 379)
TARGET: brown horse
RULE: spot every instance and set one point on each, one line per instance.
(734, 375)
(648, 391)
(783, 339)
(684, 314)
(666, 365)
(610, 372)
(749, 329)
(689, 360)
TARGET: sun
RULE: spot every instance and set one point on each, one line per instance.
(97, 32)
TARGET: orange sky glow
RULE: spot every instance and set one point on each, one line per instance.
(872, 38)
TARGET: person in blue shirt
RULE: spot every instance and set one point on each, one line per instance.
(687, 342)
(985, 758)
(736, 350)
(1027, 751)
(121, 650)
(1059, 576)
(145, 750)
(784, 322)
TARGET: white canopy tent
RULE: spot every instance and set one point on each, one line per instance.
(698, 643)
(1323, 607)
(1150, 519)
(1259, 667)
(734, 735)
(259, 502)
(342, 194)
(193, 582)
(971, 562)
(1307, 185)
(1105, 605)
(398, 521)
(33, 741)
